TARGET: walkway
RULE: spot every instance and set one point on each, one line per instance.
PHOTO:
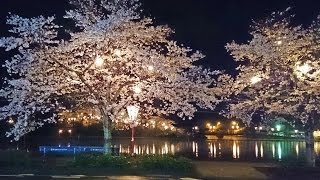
(232, 170)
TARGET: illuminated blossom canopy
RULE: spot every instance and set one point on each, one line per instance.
(278, 71)
(113, 59)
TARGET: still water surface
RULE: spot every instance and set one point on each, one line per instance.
(234, 149)
(243, 150)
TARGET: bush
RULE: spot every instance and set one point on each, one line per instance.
(14, 158)
(151, 163)
(105, 161)
(87, 160)
(116, 162)
(164, 163)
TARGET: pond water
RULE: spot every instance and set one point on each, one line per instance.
(217, 149)
(234, 148)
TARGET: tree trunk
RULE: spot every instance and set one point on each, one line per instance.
(106, 133)
(310, 155)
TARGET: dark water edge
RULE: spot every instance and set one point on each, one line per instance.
(230, 148)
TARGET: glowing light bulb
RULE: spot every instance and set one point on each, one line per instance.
(99, 61)
(255, 79)
(304, 69)
(117, 53)
(150, 68)
(137, 90)
(10, 121)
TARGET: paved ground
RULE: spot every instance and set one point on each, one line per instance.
(82, 177)
(205, 170)
(231, 170)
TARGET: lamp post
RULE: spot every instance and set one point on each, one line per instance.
(133, 114)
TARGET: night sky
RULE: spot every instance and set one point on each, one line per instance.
(205, 25)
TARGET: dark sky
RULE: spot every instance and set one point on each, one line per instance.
(205, 25)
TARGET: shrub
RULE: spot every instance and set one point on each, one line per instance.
(117, 162)
(14, 158)
(86, 160)
(151, 163)
(105, 161)
(165, 163)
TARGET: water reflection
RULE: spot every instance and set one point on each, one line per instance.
(235, 150)
(273, 150)
(261, 150)
(317, 148)
(279, 151)
(215, 149)
(212, 150)
(223, 149)
(257, 150)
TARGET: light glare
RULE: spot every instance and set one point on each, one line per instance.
(137, 89)
(117, 53)
(150, 68)
(255, 79)
(99, 61)
(304, 69)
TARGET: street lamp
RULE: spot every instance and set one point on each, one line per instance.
(60, 131)
(133, 114)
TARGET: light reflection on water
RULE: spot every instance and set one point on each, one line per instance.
(279, 151)
(273, 150)
(257, 150)
(235, 150)
(214, 149)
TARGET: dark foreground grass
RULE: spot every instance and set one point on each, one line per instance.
(20, 162)
(164, 164)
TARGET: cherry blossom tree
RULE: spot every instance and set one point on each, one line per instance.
(113, 59)
(278, 73)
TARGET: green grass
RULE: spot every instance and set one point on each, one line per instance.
(144, 163)
(12, 162)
